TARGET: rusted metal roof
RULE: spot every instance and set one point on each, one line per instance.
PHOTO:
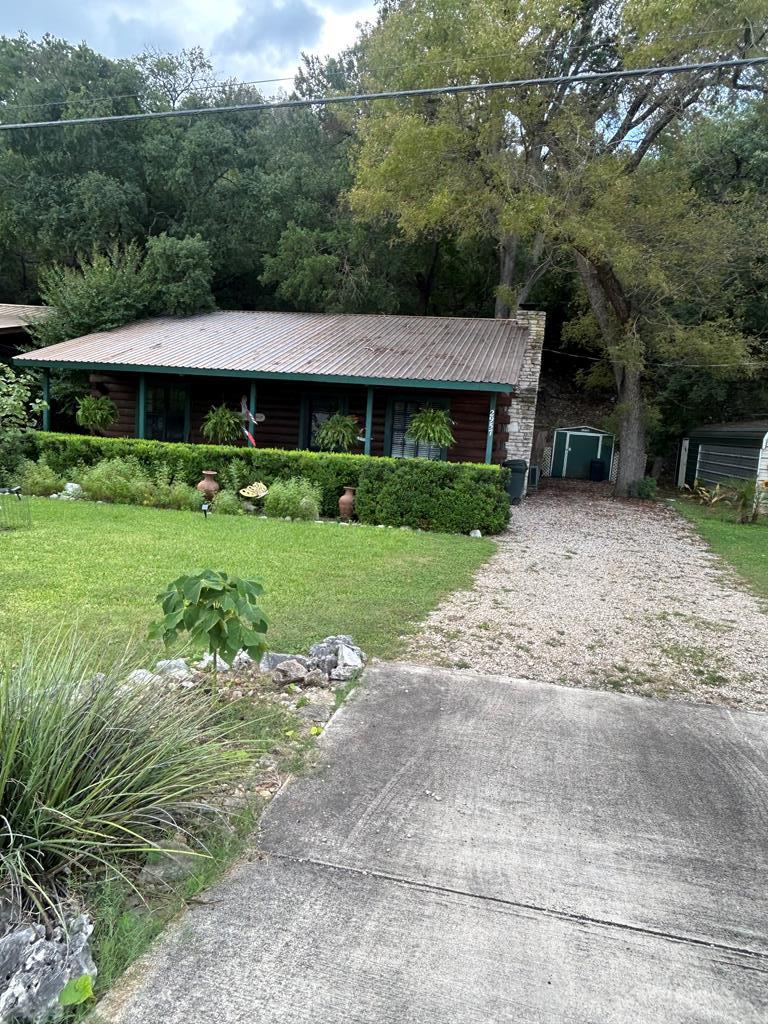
(415, 350)
(14, 316)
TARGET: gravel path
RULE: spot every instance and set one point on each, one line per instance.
(585, 591)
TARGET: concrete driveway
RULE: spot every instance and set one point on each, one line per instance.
(478, 850)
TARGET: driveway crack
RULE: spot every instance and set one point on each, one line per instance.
(761, 957)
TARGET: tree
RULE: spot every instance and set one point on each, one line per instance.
(560, 172)
(123, 284)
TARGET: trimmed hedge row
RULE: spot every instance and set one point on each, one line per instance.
(449, 497)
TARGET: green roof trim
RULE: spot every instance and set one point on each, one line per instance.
(181, 371)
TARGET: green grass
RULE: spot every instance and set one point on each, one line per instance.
(100, 566)
(744, 547)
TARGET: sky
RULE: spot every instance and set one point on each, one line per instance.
(250, 39)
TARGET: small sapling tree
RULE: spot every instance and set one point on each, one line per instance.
(220, 610)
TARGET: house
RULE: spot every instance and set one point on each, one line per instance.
(724, 451)
(296, 369)
(14, 327)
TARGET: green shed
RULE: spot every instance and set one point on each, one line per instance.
(574, 448)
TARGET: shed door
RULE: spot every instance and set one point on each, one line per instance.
(580, 449)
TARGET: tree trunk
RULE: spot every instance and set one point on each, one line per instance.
(507, 268)
(426, 282)
(632, 457)
(613, 313)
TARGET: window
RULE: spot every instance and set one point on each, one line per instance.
(166, 412)
(316, 409)
(401, 446)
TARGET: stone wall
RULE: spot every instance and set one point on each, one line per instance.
(522, 407)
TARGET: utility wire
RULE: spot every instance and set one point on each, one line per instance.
(425, 62)
(673, 363)
(439, 90)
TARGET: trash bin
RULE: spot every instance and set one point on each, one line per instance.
(516, 485)
(597, 470)
(534, 475)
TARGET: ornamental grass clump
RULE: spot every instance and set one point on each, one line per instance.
(95, 770)
(297, 498)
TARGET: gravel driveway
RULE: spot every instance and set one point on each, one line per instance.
(585, 591)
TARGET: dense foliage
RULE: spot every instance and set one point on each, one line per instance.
(297, 498)
(94, 771)
(447, 496)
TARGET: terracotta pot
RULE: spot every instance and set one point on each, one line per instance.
(208, 486)
(347, 503)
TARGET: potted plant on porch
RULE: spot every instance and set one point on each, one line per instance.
(431, 426)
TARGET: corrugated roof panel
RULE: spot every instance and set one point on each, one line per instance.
(309, 345)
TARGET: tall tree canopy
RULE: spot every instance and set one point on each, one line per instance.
(570, 171)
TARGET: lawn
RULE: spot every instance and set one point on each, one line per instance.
(745, 547)
(100, 567)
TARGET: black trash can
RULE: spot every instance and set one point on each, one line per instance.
(516, 486)
(597, 470)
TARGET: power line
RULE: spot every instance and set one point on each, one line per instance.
(673, 363)
(439, 90)
(424, 62)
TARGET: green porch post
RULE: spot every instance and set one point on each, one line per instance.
(141, 407)
(47, 399)
(252, 407)
(369, 421)
(491, 428)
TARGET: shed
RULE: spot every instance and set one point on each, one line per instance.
(574, 448)
(718, 452)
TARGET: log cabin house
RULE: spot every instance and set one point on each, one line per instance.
(296, 369)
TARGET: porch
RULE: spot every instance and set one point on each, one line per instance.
(172, 407)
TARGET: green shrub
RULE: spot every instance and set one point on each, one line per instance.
(38, 478)
(646, 489)
(94, 771)
(298, 498)
(123, 481)
(459, 496)
(429, 495)
(177, 495)
(227, 503)
(12, 450)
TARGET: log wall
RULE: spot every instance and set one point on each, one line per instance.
(280, 402)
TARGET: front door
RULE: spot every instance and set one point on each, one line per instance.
(580, 449)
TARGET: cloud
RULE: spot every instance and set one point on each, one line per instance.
(278, 27)
(249, 38)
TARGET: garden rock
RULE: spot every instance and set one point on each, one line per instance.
(271, 659)
(207, 662)
(73, 490)
(175, 669)
(475, 533)
(35, 969)
(141, 676)
(290, 671)
(242, 660)
(316, 677)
